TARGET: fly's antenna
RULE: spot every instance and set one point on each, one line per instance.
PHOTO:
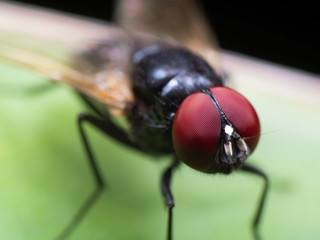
(261, 134)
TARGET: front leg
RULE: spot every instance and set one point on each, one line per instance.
(167, 194)
(258, 214)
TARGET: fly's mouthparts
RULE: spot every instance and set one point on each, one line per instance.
(228, 148)
(241, 144)
(234, 145)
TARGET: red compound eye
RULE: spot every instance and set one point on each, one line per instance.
(240, 113)
(197, 125)
(196, 131)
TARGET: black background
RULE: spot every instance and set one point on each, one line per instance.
(284, 33)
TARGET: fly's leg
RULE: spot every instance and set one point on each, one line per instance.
(104, 123)
(258, 214)
(167, 194)
(111, 129)
(98, 179)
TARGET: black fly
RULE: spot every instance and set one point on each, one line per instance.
(157, 69)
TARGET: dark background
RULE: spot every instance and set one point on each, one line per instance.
(284, 33)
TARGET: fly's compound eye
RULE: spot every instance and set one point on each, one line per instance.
(215, 131)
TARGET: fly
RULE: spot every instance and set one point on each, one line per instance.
(157, 69)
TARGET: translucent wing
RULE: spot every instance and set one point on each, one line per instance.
(58, 47)
(94, 57)
(181, 21)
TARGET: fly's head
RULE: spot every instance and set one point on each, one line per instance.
(215, 130)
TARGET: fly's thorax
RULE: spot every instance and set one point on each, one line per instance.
(162, 77)
(169, 74)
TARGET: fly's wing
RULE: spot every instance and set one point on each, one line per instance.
(59, 47)
(181, 21)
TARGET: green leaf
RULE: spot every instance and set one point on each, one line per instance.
(44, 174)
